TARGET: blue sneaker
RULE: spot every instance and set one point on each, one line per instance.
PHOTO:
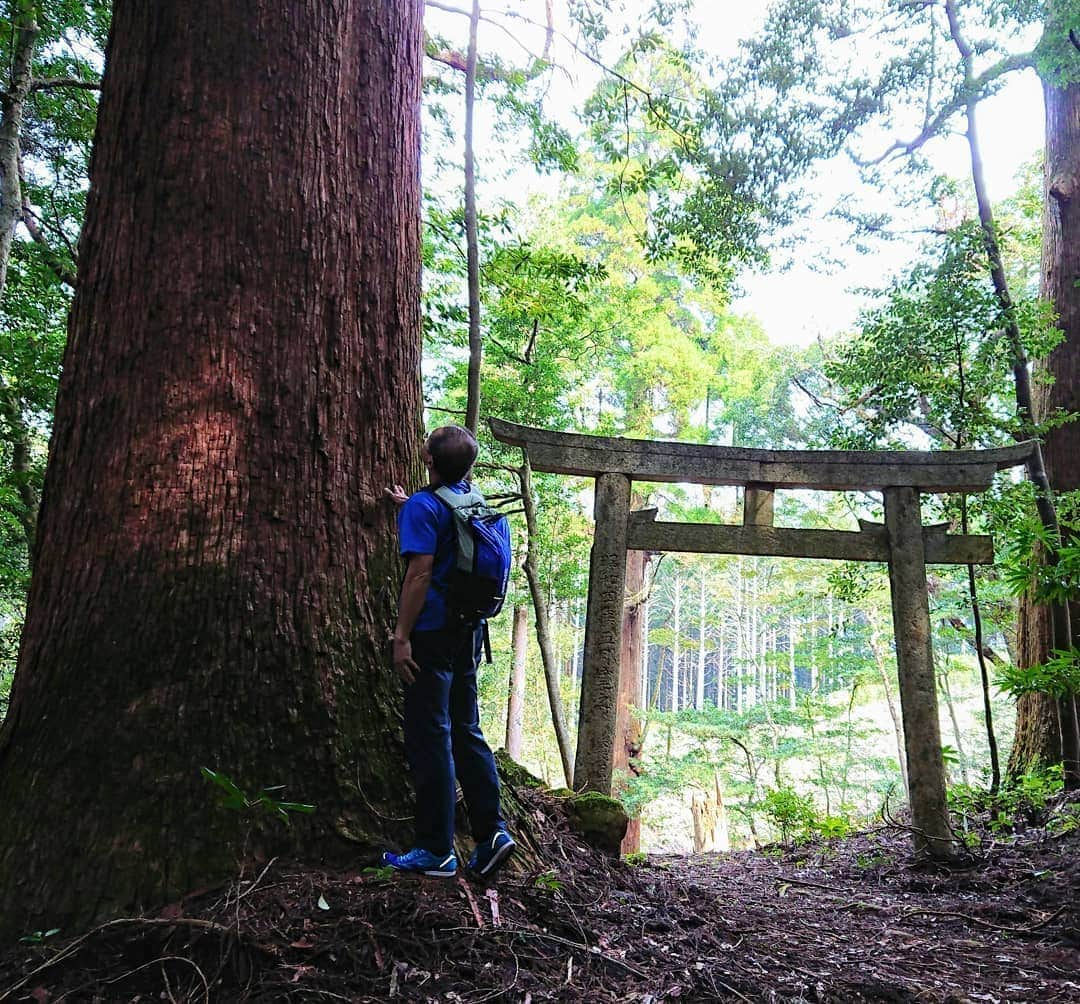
(422, 862)
(491, 853)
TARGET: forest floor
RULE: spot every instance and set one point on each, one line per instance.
(846, 921)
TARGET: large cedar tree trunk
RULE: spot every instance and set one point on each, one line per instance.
(1038, 738)
(215, 569)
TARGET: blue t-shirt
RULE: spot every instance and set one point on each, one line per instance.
(426, 526)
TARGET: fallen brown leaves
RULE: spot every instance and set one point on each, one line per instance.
(844, 922)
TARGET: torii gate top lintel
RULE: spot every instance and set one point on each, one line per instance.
(903, 542)
(932, 471)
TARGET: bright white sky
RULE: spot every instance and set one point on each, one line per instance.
(812, 303)
(796, 305)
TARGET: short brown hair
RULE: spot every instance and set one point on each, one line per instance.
(453, 451)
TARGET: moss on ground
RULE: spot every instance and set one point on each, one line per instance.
(598, 819)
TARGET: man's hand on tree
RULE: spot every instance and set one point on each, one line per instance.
(403, 660)
(396, 494)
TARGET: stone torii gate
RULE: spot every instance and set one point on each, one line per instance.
(903, 542)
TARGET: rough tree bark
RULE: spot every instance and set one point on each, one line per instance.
(215, 570)
(1038, 735)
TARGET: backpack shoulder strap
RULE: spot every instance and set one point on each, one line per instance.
(457, 500)
(458, 503)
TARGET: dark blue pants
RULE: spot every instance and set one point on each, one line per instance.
(443, 741)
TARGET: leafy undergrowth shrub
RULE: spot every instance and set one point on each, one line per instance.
(798, 819)
(1030, 800)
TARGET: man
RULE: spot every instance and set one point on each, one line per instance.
(437, 659)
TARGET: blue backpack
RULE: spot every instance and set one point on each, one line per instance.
(477, 584)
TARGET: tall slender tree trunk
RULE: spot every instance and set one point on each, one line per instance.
(699, 692)
(515, 703)
(980, 654)
(19, 442)
(945, 687)
(763, 665)
(791, 662)
(721, 668)
(676, 652)
(830, 655)
(739, 654)
(747, 665)
(1051, 466)
(556, 607)
(755, 640)
(571, 640)
(577, 640)
(657, 693)
(771, 668)
(880, 661)
(472, 241)
(215, 568)
(1038, 738)
(543, 625)
(13, 95)
(646, 610)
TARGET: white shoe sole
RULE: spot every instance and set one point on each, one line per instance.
(498, 857)
(439, 874)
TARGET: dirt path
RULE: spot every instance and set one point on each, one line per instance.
(845, 922)
(856, 922)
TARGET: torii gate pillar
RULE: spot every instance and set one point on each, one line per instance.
(915, 664)
(603, 635)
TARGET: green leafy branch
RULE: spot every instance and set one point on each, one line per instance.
(231, 796)
(1059, 676)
